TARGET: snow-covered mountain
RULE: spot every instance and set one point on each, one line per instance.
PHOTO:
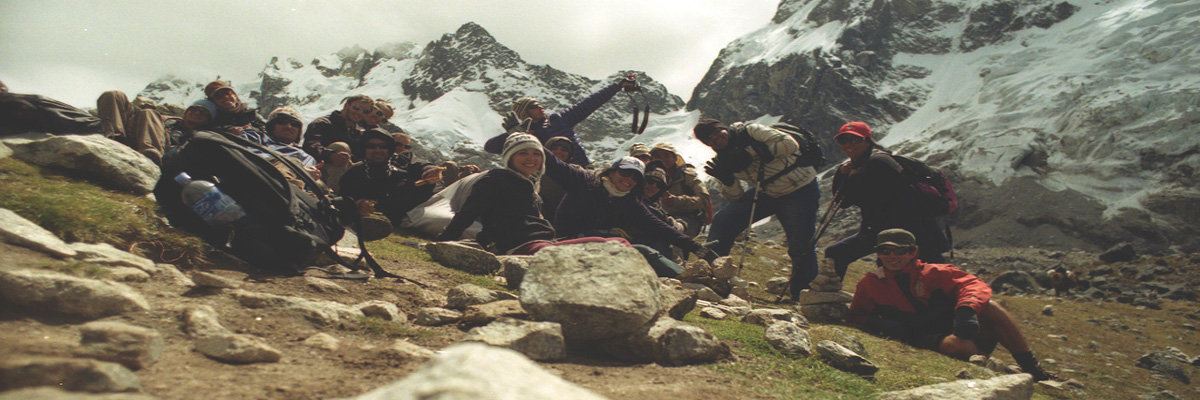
(1069, 123)
(450, 93)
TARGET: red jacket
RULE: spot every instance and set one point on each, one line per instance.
(878, 288)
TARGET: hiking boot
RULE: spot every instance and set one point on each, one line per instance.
(1040, 374)
(374, 227)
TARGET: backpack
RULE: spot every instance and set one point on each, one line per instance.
(284, 227)
(934, 188)
(810, 150)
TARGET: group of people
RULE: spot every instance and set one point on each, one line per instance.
(548, 193)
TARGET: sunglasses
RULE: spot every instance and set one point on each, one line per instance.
(893, 250)
(376, 146)
(848, 139)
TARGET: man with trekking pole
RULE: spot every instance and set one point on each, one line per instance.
(783, 185)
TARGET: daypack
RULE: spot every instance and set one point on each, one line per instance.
(284, 227)
(810, 150)
(937, 194)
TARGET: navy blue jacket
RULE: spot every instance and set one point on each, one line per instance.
(562, 123)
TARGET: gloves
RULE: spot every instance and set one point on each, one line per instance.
(714, 169)
(513, 124)
(735, 159)
(966, 323)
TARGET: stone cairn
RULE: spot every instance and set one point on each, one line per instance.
(825, 301)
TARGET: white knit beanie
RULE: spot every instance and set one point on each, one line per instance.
(521, 141)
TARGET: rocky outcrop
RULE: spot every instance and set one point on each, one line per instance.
(70, 374)
(53, 293)
(1006, 387)
(93, 156)
(22, 232)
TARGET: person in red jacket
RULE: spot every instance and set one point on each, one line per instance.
(935, 306)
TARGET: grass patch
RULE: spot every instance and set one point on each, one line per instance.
(383, 328)
(403, 247)
(77, 211)
(79, 268)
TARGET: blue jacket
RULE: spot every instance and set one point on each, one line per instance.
(562, 123)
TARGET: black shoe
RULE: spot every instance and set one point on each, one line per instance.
(1040, 374)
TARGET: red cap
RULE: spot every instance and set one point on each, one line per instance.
(856, 128)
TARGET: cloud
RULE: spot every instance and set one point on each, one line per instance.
(73, 50)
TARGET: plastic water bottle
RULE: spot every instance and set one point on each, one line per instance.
(212, 205)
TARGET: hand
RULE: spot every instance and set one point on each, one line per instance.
(468, 169)
(513, 124)
(966, 323)
(433, 175)
(365, 206)
(315, 171)
(715, 170)
(629, 83)
(848, 169)
(340, 159)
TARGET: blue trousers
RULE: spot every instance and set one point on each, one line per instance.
(796, 212)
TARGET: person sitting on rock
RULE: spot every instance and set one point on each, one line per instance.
(140, 128)
(380, 115)
(751, 153)
(935, 306)
(506, 204)
(527, 115)
(20, 113)
(232, 113)
(871, 179)
(339, 126)
(686, 198)
(197, 116)
(376, 184)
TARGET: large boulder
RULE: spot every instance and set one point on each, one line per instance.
(541, 341)
(1005, 387)
(66, 295)
(463, 258)
(478, 371)
(667, 342)
(595, 290)
(68, 373)
(132, 346)
(17, 230)
(94, 156)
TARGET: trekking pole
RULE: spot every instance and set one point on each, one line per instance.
(834, 206)
(750, 224)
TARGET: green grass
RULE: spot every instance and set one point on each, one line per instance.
(400, 247)
(79, 268)
(78, 211)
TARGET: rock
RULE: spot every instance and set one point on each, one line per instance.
(53, 393)
(404, 349)
(698, 268)
(1058, 337)
(788, 338)
(434, 316)
(5, 152)
(541, 341)
(126, 274)
(768, 316)
(1122, 252)
(324, 285)
(964, 374)
(1020, 281)
(678, 301)
(1167, 363)
(707, 294)
(840, 357)
(667, 342)
(595, 290)
(483, 314)
(381, 309)
(740, 287)
(724, 268)
(106, 254)
(134, 347)
(323, 341)
(464, 295)
(1048, 310)
(318, 311)
(808, 296)
(713, 313)
(173, 275)
(211, 280)
(1006, 387)
(514, 268)
(463, 258)
(238, 349)
(827, 312)
(61, 294)
(735, 301)
(17, 230)
(67, 373)
(777, 284)
(1160, 395)
(841, 337)
(218, 343)
(93, 156)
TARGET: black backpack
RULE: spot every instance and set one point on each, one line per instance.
(810, 150)
(284, 227)
(934, 188)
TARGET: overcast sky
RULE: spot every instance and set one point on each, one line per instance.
(73, 50)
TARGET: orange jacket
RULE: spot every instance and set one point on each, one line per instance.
(878, 288)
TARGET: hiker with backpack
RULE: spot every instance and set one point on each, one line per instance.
(232, 113)
(550, 191)
(340, 126)
(935, 306)
(874, 180)
(527, 115)
(686, 198)
(376, 184)
(784, 185)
